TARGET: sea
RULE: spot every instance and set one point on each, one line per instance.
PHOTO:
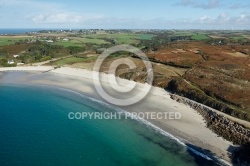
(35, 130)
(18, 31)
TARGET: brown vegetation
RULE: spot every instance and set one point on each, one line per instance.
(218, 76)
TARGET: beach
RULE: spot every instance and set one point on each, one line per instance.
(190, 128)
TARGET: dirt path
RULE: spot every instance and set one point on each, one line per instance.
(52, 60)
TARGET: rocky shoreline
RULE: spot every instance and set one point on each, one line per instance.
(229, 130)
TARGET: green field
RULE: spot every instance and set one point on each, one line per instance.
(71, 60)
(78, 41)
(146, 36)
(69, 44)
(238, 38)
(96, 39)
(122, 38)
(9, 40)
(200, 37)
(184, 34)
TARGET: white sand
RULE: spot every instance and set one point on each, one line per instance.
(28, 68)
(191, 128)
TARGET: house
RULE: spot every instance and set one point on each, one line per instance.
(11, 61)
(49, 41)
(15, 56)
(65, 39)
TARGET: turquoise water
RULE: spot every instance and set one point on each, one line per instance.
(35, 130)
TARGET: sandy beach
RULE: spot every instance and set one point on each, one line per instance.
(190, 129)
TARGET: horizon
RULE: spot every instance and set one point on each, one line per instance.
(145, 29)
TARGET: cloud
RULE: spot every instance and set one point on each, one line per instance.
(212, 4)
(244, 18)
(56, 18)
(221, 21)
(205, 19)
(186, 3)
(238, 6)
(39, 13)
(30, 4)
(62, 18)
(224, 19)
(209, 4)
(76, 20)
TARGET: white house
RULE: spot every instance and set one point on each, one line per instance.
(11, 61)
(49, 41)
(15, 56)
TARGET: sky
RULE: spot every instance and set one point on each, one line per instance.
(125, 14)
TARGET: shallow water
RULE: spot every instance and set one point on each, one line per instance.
(35, 130)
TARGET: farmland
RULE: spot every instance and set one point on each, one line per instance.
(200, 37)
(78, 41)
(123, 38)
(71, 60)
(4, 40)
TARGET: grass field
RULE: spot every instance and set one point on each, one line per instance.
(246, 36)
(200, 37)
(184, 33)
(96, 39)
(68, 44)
(123, 38)
(237, 38)
(71, 60)
(146, 36)
(10, 40)
(78, 41)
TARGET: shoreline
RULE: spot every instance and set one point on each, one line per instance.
(191, 129)
(197, 151)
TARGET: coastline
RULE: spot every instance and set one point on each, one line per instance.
(190, 129)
